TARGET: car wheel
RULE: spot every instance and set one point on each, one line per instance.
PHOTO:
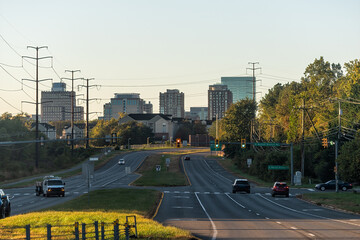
(234, 191)
(7, 214)
(63, 195)
(322, 188)
(344, 188)
(2, 213)
(273, 195)
(287, 195)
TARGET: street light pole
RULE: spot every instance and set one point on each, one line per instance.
(129, 143)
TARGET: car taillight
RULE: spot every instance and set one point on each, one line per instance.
(350, 184)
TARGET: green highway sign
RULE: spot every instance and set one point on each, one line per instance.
(267, 144)
(277, 167)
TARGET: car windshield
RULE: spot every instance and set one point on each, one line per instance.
(330, 182)
(55, 182)
(242, 182)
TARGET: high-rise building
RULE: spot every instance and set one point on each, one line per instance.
(56, 104)
(172, 103)
(219, 100)
(241, 87)
(199, 113)
(125, 103)
(148, 108)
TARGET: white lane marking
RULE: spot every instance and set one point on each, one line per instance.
(258, 214)
(20, 205)
(187, 192)
(206, 192)
(180, 197)
(32, 202)
(16, 194)
(309, 214)
(311, 235)
(216, 172)
(26, 194)
(268, 194)
(249, 210)
(85, 192)
(183, 207)
(313, 209)
(311, 190)
(215, 232)
(227, 194)
(166, 192)
(176, 192)
(184, 219)
(267, 218)
(278, 222)
(76, 192)
(294, 228)
(216, 193)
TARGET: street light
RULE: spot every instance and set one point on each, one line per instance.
(129, 143)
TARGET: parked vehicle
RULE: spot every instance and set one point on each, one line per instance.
(280, 188)
(332, 185)
(50, 186)
(241, 185)
(121, 161)
(5, 205)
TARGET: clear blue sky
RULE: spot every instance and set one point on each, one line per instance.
(148, 46)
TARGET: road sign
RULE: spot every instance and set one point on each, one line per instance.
(277, 167)
(167, 162)
(158, 168)
(267, 144)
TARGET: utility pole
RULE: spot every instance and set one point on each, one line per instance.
(37, 99)
(337, 148)
(72, 104)
(302, 138)
(87, 107)
(254, 79)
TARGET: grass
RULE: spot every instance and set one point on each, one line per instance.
(173, 176)
(348, 201)
(102, 206)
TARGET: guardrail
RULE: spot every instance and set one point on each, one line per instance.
(75, 231)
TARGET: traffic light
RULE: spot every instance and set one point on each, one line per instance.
(243, 143)
(114, 138)
(325, 143)
(216, 143)
(335, 169)
(178, 142)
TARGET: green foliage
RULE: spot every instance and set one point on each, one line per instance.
(349, 160)
(190, 128)
(237, 121)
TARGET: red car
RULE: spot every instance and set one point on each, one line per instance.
(280, 188)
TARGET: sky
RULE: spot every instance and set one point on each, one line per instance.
(149, 46)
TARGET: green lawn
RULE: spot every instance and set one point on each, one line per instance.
(103, 206)
(349, 200)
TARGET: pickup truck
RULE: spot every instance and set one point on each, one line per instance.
(50, 186)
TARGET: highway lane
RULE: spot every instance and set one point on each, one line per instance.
(110, 175)
(210, 211)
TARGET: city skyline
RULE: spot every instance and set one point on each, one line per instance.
(149, 46)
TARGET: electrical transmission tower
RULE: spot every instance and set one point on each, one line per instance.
(87, 106)
(37, 98)
(254, 79)
(72, 104)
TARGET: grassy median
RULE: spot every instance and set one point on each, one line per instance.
(167, 176)
(102, 206)
(349, 201)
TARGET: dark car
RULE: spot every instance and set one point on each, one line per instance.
(280, 188)
(187, 158)
(332, 185)
(5, 206)
(241, 185)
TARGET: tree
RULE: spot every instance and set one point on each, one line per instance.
(237, 121)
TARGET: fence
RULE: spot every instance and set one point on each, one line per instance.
(75, 231)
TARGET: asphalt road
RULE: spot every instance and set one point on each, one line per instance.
(207, 207)
(210, 211)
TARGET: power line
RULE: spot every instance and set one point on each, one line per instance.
(10, 104)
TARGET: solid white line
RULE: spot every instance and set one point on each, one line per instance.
(227, 194)
(309, 214)
(211, 221)
(311, 235)
(278, 222)
(294, 228)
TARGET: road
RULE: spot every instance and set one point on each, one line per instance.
(207, 207)
(210, 211)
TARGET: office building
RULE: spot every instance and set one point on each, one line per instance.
(199, 113)
(241, 87)
(125, 103)
(148, 108)
(172, 103)
(219, 100)
(56, 104)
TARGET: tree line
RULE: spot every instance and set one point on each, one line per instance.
(324, 104)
